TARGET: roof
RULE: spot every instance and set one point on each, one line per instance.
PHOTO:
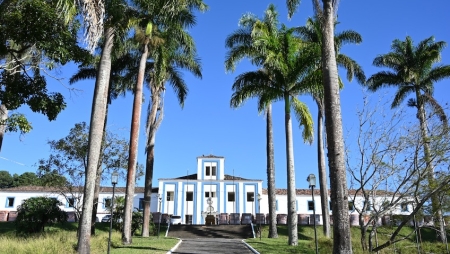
(209, 156)
(317, 192)
(59, 189)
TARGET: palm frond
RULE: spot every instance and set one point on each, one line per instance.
(305, 119)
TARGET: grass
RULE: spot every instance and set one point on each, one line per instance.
(63, 239)
(306, 243)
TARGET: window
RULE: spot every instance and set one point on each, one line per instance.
(250, 196)
(170, 196)
(141, 204)
(331, 208)
(369, 206)
(351, 205)
(106, 203)
(9, 202)
(210, 171)
(189, 196)
(404, 207)
(213, 194)
(231, 196)
(310, 205)
(70, 202)
(276, 205)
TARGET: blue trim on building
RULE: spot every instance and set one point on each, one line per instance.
(141, 204)
(255, 195)
(218, 169)
(202, 194)
(104, 202)
(236, 197)
(68, 202)
(7, 201)
(175, 198)
(183, 208)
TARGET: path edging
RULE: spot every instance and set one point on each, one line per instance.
(176, 246)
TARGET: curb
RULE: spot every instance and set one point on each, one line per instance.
(250, 247)
(176, 246)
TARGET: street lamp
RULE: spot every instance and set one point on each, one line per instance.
(114, 180)
(159, 222)
(312, 183)
(259, 210)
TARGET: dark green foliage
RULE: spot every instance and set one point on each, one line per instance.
(31, 179)
(6, 180)
(36, 213)
(26, 179)
(34, 39)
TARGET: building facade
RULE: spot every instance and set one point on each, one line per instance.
(193, 197)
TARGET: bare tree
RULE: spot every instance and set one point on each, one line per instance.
(388, 169)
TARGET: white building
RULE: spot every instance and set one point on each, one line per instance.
(208, 192)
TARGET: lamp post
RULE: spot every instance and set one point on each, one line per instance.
(114, 180)
(259, 211)
(159, 221)
(312, 183)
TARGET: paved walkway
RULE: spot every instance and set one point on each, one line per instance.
(212, 245)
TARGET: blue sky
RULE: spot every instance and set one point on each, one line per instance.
(207, 124)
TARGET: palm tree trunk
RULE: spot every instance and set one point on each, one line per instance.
(435, 204)
(134, 140)
(152, 126)
(95, 140)
(322, 174)
(273, 233)
(3, 117)
(99, 173)
(292, 194)
(336, 161)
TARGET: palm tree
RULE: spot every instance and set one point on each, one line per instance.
(123, 62)
(286, 63)
(114, 26)
(412, 72)
(326, 11)
(155, 17)
(168, 60)
(240, 45)
(312, 33)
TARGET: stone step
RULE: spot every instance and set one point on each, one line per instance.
(213, 231)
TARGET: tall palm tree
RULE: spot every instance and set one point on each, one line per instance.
(413, 71)
(312, 33)
(155, 17)
(286, 63)
(168, 60)
(326, 11)
(240, 45)
(117, 21)
(123, 62)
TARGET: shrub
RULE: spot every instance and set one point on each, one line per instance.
(36, 213)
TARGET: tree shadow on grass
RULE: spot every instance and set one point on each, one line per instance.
(137, 248)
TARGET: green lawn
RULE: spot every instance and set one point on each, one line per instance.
(306, 243)
(63, 239)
